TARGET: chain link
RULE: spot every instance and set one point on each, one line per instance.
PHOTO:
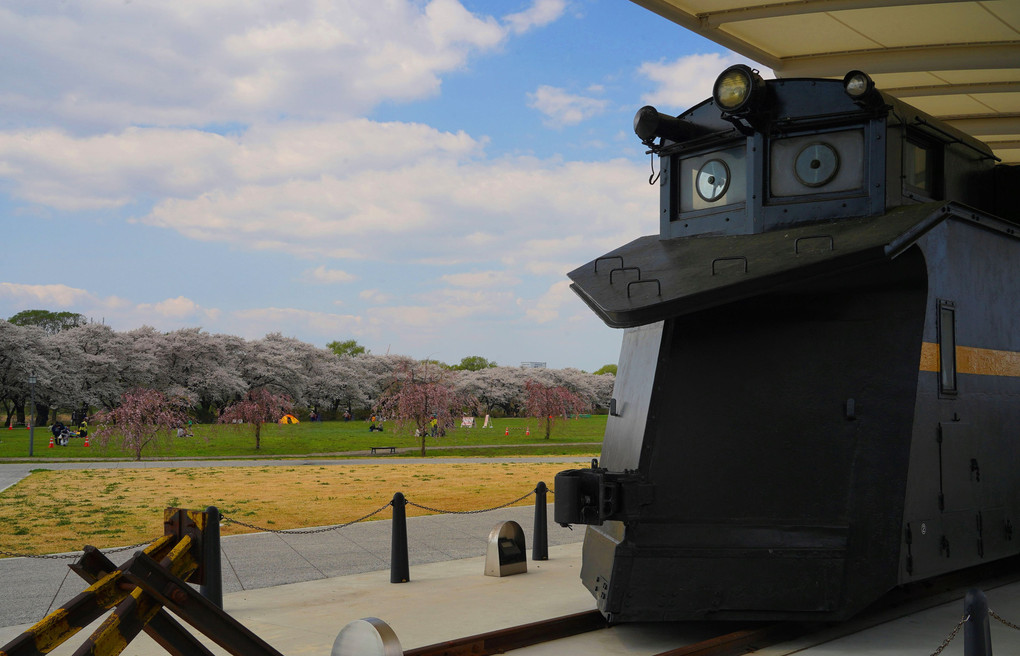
(469, 512)
(307, 531)
(1004, 621)
(69, 556)
(13, 554)
(949, 638)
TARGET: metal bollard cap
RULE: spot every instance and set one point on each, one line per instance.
(367, 637)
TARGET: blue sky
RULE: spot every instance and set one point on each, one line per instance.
(418, 176)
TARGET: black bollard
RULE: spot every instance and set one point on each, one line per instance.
(212, 588)
(540, 542)
(977, 634)
(399, 568)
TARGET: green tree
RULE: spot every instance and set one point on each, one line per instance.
(347, 347)
(606, 369)
(51, 322)
(474, 363)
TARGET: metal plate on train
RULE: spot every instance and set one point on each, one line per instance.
(651, 279)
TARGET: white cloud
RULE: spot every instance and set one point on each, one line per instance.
(375, 296)
(482, 279)
(333, 196)
(60, 296)
(253, 323)
(322, 275)
(56, 169)
(539, 14)
(547, 307)
(688, 80)
(176, 308)
(562, 108)
(110, 64)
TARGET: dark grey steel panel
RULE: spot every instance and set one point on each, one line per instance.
(639, 355)
(703, 272)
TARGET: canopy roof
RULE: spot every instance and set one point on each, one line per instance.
(956, 60)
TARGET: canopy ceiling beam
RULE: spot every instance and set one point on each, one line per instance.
(1011, 144)
(986, 125)
(953, 89)
(950, 57)
(716, 19)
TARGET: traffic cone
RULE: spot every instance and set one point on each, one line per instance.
(51, 441)
(507, 431)
(527, 431)
(86, 440)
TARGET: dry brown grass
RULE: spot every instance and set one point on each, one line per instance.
(58, 511)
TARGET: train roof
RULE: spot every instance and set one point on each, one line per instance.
(958, 61)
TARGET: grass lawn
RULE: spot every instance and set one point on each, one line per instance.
(218, 440)
(58, 511)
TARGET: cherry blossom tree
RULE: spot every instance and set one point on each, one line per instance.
(259, 406)
(496, 388)
(550, 403)
(202, 365)
(21, 354)
(91, 365)
(423, 394)
(381, 374)
(144, 418)
(94, 362)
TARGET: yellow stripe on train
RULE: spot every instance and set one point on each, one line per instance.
(971, 360)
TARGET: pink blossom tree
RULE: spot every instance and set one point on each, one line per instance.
(259, 406)
(549, 402)
(144, 418)
(420, 395)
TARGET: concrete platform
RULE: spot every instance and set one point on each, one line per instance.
(452, 598)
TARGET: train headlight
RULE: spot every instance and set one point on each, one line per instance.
(649, 123)
(857, 84)
(861, 88)
(737, 89)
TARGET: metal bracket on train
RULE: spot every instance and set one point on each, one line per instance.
(593, 496)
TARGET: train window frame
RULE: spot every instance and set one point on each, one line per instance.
(932, 189)
(852, 136)
(737, 184)
(946, 326)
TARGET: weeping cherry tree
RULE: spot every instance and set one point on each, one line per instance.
(420, 394)
(259, 406)
(548, 402)
(143, 418)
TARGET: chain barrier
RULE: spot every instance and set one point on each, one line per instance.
(290, 531)
(1004, 621)
(470, 512)
(949, 638)
(306, 531)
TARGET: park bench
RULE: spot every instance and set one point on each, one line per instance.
(375, 449)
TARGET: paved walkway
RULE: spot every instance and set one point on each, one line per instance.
(31, 586)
